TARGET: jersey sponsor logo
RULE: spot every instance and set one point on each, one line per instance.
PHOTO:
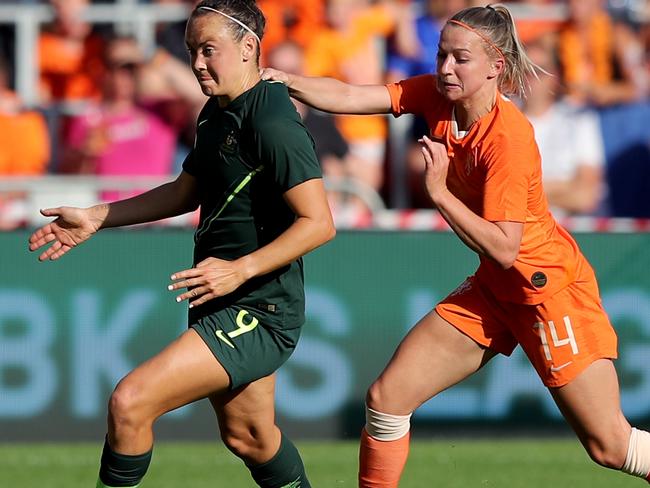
(555, 369)
(244, 324)
(221, 335)
(538, 279)
(294, 484)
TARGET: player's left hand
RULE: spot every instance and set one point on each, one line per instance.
(436, 166)
(209, 279)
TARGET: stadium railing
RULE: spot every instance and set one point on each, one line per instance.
(27, 195)
(24, 196)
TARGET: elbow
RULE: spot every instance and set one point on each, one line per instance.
(326, 231)
(507, 258)
(329, 232)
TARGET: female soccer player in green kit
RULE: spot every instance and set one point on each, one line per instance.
(254, 173)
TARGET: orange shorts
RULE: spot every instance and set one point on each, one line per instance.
(561, 336)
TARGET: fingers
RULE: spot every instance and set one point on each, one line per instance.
(185, 284)
(198, 292)
(40, 238)
(51, 212)
(202, 299)
(189, 278)
(54, 252)
(271, 74)
(188, 273)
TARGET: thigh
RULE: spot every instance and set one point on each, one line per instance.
(246, 417)
(591, 405)
(566, 333)
(249, 343)
(432, 357)
(186, 370)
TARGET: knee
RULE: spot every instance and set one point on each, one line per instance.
(124, 406)
(377, 396)
(609, 452)
(245, 442)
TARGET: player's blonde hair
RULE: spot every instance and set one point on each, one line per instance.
(496, 26)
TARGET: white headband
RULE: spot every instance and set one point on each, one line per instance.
(234, 20)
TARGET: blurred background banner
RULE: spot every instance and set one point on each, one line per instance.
(69, 330)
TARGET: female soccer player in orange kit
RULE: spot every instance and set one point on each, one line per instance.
(533, 286)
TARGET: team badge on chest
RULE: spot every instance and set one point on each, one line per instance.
(229, 144)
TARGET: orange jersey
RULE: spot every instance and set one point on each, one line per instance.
(495, 169)
(352, 56)
(70, 73)
(587, 60)
(24, 143)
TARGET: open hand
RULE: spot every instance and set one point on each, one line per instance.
(71, 227)
(209, 279)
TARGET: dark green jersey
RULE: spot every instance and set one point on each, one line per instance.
(246, 156)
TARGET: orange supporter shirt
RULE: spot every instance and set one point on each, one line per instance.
(495, 169)
(24, 143)
(69, 73)
(294, 20)
(352, 56)
(590, 59)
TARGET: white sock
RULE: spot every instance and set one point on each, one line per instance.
(637, 461)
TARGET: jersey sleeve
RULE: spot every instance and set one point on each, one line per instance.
(415, 95)
(509, 168)
(287, 150)
(190, 165)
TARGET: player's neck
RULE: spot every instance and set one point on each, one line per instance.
(247, 81)
(468, 112)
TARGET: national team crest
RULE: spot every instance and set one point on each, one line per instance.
(230, 143)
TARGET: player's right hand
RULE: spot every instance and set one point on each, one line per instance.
(272, 74)
(71, 227)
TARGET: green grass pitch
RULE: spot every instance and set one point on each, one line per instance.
(441, 463)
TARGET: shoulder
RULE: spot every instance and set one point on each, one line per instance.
(511, 135)
(511, 124)
(271, 108)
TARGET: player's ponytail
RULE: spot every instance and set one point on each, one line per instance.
(496, 26)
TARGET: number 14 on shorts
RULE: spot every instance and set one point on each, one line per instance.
(569, 340)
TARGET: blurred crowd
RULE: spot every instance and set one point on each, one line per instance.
(107, 108)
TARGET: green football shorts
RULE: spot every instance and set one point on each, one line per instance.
(246, 342)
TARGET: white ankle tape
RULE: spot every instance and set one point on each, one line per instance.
(386, 427)
(637, 462)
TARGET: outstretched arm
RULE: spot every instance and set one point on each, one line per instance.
(332, 95)
(73, 226)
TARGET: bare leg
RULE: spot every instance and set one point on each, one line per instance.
(591, 405)
(247, 423)
(431, 358)
(247, 420)
(186, 370)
